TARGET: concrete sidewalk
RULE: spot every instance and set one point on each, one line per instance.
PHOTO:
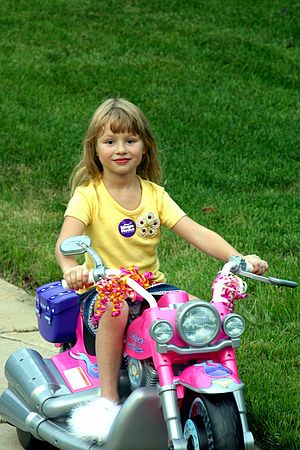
(18, 329)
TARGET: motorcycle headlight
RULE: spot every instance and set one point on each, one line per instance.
(161, 331)
(234, 325)
(198, 322)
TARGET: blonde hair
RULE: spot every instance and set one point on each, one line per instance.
(123, 116)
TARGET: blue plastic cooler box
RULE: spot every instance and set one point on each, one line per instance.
(57, 312)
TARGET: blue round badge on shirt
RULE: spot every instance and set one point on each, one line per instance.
(127, 228)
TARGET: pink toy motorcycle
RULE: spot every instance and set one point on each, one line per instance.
(179, 382)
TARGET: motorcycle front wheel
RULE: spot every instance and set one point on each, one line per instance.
(212, 422)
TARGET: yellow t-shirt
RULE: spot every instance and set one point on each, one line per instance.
(125, 237)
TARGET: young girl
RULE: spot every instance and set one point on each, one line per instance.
(117, 201)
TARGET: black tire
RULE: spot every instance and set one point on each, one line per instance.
(29, 442)
(65, 346)
(212, 422)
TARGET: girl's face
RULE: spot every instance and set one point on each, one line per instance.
(119, 153)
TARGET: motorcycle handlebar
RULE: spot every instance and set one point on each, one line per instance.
(235, 264)
(94, 276)
(270, 280)
(238, 265)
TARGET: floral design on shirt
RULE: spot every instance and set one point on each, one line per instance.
(148, 225)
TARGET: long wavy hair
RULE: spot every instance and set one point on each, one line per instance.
(123, 116)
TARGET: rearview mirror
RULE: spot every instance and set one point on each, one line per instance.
(75, 245)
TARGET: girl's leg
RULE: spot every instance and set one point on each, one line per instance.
(109, 349)
(94, 419)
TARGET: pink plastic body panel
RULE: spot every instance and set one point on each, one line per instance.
(201, 376)
(173, 297)
(78, 369)
(139, 343)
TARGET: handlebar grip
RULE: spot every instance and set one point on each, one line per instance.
(64, 284)
(237, 264)
(91, 280)
(248, 266)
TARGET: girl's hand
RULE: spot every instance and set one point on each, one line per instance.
(259, 265)
(77, 277)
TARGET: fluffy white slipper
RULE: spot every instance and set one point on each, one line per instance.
(94, 419)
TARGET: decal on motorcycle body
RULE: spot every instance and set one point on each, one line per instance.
(134, 372)
(212, 369)
(136, 338)
(136, 343)
(76, 378)
(224, 383)
(135, 347)
(92, 369)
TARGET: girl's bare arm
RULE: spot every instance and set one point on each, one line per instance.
(212, 243)
(75, 275)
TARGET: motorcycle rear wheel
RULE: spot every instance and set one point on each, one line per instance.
(212, 422)
(29, 442)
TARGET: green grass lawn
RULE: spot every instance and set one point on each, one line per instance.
(219, 82)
